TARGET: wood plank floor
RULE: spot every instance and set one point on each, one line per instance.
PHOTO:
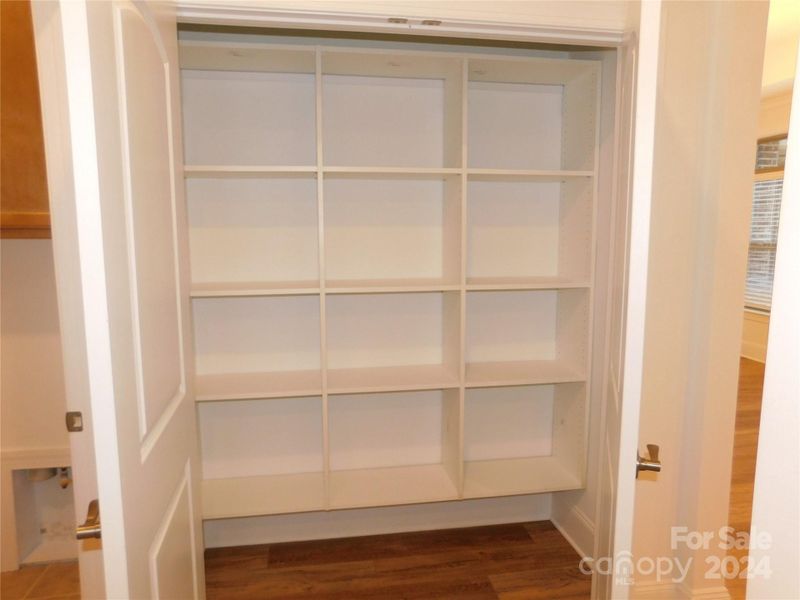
(527, 560)
(745, 445)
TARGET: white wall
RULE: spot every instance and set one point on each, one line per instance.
(32, 400)
(31, 376)
(783, 33)
(773, 116)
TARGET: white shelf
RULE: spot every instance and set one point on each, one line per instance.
(391, 379)
(390, 486)
(218, 289)
(256, 386)
(265, 495)
(243, 171)
(523, 283)
(388, 286)
(223, 289)
(492, 374)
(544, 176)
(509, 476)
(390, 172)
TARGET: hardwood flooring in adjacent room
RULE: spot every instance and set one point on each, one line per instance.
(527, 561)
(745, 445)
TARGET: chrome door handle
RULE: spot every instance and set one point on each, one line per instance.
(91, 527)
(649, 462)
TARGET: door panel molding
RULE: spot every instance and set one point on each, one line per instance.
(178, 518)
(150, 226)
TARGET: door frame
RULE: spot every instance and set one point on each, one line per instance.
(562, 30)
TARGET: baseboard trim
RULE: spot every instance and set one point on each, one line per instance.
(718, 592)
(656, 591)
(753, 351)
(35, 458)
(374, 521)
(576, 528)
(675, 591)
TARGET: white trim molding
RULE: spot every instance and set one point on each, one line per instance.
(675, 591)
(755, 332)
(375, 521)
(35, 458)
(575, 29)
(718, 592)
(577, 528)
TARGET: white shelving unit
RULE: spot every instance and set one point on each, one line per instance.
(392, 259)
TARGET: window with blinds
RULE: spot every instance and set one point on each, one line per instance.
(767, 191)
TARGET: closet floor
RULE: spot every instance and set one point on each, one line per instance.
(519, 561)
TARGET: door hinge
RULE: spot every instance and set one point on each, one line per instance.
(74, 421)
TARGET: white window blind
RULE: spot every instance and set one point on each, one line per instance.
(763, 241)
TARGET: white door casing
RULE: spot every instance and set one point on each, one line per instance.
(111, 111)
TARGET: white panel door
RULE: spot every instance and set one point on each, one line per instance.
(111, 102)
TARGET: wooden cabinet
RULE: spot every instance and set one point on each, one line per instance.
(392, 257)
(24, 208)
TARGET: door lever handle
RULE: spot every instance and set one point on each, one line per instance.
(649, 462)
(91, 527)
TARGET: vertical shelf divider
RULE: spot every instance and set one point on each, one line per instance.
(463, 274)
(572, 101)
(589, 335)
(321, 249)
